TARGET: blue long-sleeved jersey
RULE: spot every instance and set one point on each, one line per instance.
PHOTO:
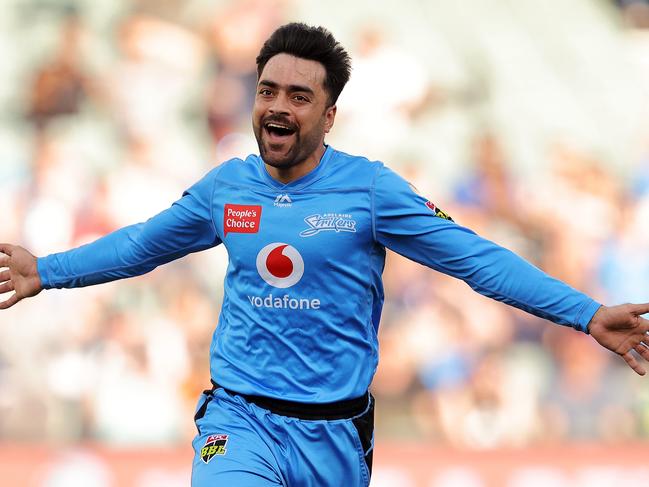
(303, 291)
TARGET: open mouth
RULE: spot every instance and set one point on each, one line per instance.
(278, 131)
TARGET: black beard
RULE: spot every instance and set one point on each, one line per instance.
(289, 159)
(299, 151)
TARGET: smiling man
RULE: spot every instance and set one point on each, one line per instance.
(306, 228)
(288, 116)
(295, 107)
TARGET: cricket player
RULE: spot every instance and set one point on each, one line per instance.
(306, 228)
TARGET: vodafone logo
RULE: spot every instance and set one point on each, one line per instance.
(280, 265)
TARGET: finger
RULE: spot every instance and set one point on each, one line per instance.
(8, 303)
(4, 260)
(643, 350)
(633, 363)
(640, 309)
(5, 275)
(6, 287)
(644, 326)
(6, 248)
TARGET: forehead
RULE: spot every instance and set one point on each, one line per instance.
(285, 70)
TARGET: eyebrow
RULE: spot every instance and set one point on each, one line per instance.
(291, 88)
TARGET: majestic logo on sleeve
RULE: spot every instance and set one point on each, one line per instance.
(241, 218)
(280, 265)
(329, 221)
(214, 445)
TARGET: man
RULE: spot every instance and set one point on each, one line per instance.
(306, 229)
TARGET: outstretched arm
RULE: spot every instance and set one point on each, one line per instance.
(186, 227)
(415, 228)
(408, 224)
(20, 274)
(622, 330)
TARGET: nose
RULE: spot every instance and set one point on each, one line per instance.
(279, 104)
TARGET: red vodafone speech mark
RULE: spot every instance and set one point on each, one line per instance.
(241, 218)
(278, 264)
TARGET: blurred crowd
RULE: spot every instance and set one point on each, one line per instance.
(114, 109)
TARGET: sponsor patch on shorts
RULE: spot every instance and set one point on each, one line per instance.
(214, 445)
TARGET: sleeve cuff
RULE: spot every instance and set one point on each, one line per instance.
(586, 315)
(41, 266)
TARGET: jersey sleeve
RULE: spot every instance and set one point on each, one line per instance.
(186, 227)
(408, 224)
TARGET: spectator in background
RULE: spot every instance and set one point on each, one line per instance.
(362, 115)
(635, 12)
(488, 188)
(234, 33)
(623, 264)
(148, 88)
(60, 86)
(47, 205)
(585, 401)
(574, 206)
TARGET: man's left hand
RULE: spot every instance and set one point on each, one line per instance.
(621, 329)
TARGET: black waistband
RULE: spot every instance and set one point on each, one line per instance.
(311, 411)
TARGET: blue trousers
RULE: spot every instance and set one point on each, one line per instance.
(241, 444)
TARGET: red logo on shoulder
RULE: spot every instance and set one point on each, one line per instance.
(439, 213)
(241, 218)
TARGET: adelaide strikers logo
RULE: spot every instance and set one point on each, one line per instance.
(280, 265)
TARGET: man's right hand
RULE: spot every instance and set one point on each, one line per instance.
(20, 274)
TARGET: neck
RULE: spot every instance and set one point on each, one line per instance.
(289, 174)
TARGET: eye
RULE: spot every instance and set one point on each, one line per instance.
(265, 92)
(301, 98)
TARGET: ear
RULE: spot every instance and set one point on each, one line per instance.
(330, 116)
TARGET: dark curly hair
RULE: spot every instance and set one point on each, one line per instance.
(312, 43)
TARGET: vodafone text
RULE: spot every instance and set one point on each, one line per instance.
(285, 302)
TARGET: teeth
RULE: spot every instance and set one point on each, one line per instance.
(278, 126)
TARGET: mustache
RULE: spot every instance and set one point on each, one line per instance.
(279, 119)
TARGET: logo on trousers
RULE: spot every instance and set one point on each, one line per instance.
(214, 445)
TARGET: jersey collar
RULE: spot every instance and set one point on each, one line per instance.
(302, 181)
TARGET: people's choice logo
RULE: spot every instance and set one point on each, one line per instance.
(280, 265)
(241, 218)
